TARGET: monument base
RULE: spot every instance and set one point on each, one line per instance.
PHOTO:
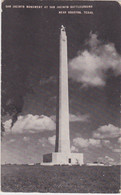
(57, 158)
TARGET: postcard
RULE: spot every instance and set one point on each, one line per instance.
(61, 70)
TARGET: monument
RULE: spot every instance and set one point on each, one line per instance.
(62, 154)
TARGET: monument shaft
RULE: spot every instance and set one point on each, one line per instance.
(63, 135)
(62, 154)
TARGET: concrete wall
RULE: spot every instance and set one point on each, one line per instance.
(63, 158)
(76, 158)
(59, 158)
(47, 157)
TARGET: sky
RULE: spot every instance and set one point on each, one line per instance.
(30, 66)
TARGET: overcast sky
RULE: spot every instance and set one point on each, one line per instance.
(30, 45)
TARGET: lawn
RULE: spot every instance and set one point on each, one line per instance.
(75, 179)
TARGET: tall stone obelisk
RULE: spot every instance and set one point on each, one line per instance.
(62, 129)
(62, 154)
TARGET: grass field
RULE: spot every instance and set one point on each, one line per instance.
(75, 179)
